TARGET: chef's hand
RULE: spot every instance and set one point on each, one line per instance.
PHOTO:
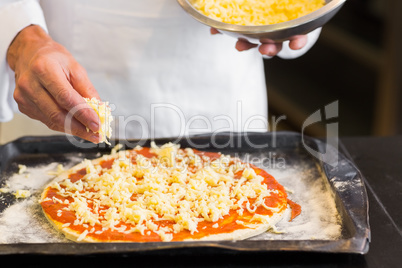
(50, 83)
(268, 47)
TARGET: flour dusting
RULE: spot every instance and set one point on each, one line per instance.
(319, 218)
(23, 221)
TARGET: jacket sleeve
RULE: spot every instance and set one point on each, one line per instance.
(14, 16)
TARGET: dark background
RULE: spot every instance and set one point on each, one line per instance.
(355, 61)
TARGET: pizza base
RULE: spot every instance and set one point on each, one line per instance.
(74, 235)
(240, 234)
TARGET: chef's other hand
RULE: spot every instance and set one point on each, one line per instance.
(50, 83)
(269, 47)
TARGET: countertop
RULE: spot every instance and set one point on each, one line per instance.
(380, 161)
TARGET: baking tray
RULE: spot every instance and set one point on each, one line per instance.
(344, 183)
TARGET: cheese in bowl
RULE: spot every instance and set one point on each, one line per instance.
(256, 12)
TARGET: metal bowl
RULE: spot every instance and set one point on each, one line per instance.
(276, 32)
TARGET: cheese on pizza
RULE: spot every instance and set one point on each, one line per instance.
(163, 194)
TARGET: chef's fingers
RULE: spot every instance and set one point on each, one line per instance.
(54, 78)
(270, 49)
(81, 83)
(214, 31)
(52, 115)
(298, 42)
(243, 44)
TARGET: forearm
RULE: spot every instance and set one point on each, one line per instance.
(15, 15)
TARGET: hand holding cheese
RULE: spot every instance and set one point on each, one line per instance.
(103, 110)
(50, 83)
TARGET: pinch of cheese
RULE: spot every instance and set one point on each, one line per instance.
(105, 117)
(163, 192)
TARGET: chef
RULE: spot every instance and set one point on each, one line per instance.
(161, 71)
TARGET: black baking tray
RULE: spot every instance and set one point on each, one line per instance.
(352, 203)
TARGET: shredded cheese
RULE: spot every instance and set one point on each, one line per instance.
(256, 12)
(174, 185)
(116, 148)
(4, 190)
(22, 193)
(58, 171)
(104, 112)
(22, 169)
(82, 235)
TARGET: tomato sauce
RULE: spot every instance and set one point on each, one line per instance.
(296, 209)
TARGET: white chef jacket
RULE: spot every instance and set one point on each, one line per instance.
(161, 71)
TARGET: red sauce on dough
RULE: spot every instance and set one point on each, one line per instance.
(226, 225)
(296, 209)
(212, 156)
(77, 175)
(107, 163)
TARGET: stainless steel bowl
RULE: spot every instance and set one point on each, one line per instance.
(276, 32)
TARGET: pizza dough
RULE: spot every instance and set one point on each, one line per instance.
(163, 194)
